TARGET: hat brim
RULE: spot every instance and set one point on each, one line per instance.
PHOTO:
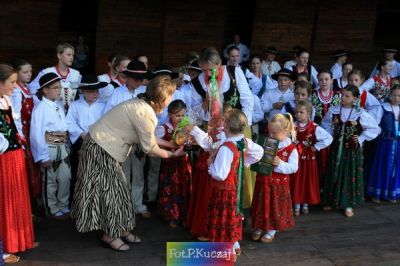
(137, 74)
(173, 75)
(271, 52)
(339, 55)
(390, 51)
(93, 86)
(49, 82)
(276, 76)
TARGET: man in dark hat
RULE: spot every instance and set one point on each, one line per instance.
(135, 72)
(340, 57)
(273, 100)
(268, 65)
(388, 54)
(81, 115)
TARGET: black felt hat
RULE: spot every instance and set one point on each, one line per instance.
(390, 50)
(48, 79)
(271, 50)
(339, 53)
(136, 70)
(195, 66)
(90, 82)
(164, 70)
(286, 73)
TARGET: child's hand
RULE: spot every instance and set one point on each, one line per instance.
(209, 161)
(355, 139)
(46, 164)
(188, 128)
(276, 161)
(206, 102)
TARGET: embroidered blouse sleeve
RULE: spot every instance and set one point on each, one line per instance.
(254, 153)
(370, 127)
(373, 106)
(266, 102)
(324, 139)
(3, 143)
(368, 84)
(289, 167)
(246, 97)
(221, 166)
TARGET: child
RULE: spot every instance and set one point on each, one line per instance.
(23, 105)
(81, 115)
(50, 146)
(380, 85)
(367, 100)
(310, 138)
(70, 78)
(350, 126)
(324, 97)
(175, 174)
(384, 178)
(16, 228)
(224, 218)
(340, 83)
(273, 100)
(302, 92)
(271, 209)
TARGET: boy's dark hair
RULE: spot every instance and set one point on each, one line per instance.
(176, 106)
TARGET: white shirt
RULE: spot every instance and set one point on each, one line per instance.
(258, 114)
(16, 99)
(106, 92)
(291, 166)
(273, 96)
(289, 64)
(270, 69)
(324, 139)
(81, 116)
(395, 70)
(246, 97)
(244, 52)
(255, 83)
(46, 116)
(71, 82)
(336, 71)
(122, 94)
(370, 127)
(221, 166)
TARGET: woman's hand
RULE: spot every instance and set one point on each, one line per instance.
(355, 139)
(179, 152)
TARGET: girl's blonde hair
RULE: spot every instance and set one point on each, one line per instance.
(235, 121)
(285, 122)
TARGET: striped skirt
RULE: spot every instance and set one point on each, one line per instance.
(102, 200)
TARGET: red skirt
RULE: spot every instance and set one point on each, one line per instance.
(201, 191)
(271, 208)
(175, 188)
(305, 183)
(16, 227)
(223, 223)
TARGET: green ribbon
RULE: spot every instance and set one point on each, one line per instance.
(241, 146)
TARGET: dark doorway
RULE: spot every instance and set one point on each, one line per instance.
(78, 19)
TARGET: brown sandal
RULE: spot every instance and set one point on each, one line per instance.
(122, 247)
(11, 259)
(267, 238)
(256, 235)
(131, 239)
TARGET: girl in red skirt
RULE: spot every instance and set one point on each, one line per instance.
(16, 227)
(271, 209)
(310, 138)
(224, 217)
(22, 102)
(175, 175)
